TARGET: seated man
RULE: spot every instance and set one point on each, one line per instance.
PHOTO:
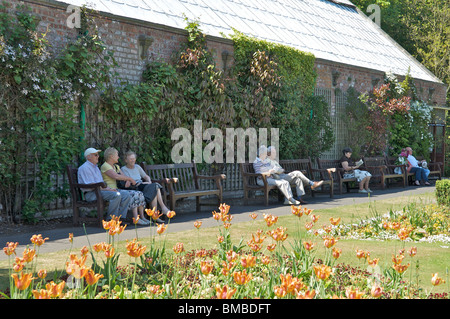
(262, 165)
(89, 173)
(296, 178)
(413, 167)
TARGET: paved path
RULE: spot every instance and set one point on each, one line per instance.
(58, 238)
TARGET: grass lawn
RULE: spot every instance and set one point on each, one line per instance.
(431, 257)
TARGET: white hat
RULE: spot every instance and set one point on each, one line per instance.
(262, 150)
(90, 151)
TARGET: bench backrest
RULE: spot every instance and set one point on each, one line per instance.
(185, 172)
(329, 163)
(375, 161)
(248, 168)
(72, 174)
(304, 165)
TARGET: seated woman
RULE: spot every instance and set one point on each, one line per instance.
(351, 171)
(111, 174)
(151, 190)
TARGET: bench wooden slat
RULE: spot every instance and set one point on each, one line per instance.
(183, 181)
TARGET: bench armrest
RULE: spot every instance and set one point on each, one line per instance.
(93, 185)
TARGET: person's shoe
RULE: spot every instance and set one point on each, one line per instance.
(146, 221)
(362, 191)
(369, 190)
(427, 184)
(140, 222)
(316, 184)
(303, 202)
(291, 201)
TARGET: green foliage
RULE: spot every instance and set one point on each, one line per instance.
(443, 192)
(38, 107)
(388, 120)
(285, 82)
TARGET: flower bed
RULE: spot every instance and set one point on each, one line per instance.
(264, 265)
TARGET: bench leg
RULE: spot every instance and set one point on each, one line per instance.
(197, 204)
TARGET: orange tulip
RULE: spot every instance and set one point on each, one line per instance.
(10, 248)
(248, 261)
(38, 240)
(170, 214)
(413, 251)
(291, 284)
(19, 264)
(397, 259)
(308, 245)
(41, 294)
(91, 277)
(265, 260)
(335, 222)
(150, 212)
(71, 237)
(329, 242)
(322, 271)
(161, 229)
(271, 247)
(217, 216)
(362, 253)
(315, 218)
(376, 291)
(336, 252)
(22, 282)
(76, 266)
(353, 293)
(224, 208)
(42, 273)
(253, 215)
(309, 225)
(280, 291)
(224, 292)
(178, 248)
(297, 210)
(309, 294)
(226, 267)
(109, 251)
(270, 219)
(241, 277)
(28, 255)
(55, 290)
(436, 281)
(206, 266)
(135, 249)
(400, 268)
(197, 224)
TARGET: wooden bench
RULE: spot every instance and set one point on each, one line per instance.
(337, 173)
(249, 178)
(435, 169)
(182, 181)
(249, 183)
(78, 200)
(380, 168)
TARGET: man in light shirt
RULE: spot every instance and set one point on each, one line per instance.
(413, 167)
(89, 173)
(262, 165)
